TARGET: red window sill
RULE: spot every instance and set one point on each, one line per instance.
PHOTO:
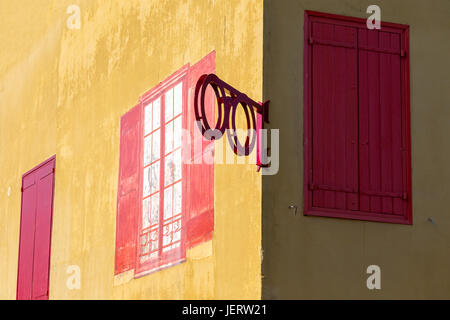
(144, 272)
(358, 215)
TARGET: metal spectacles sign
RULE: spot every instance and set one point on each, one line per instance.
(228, 101)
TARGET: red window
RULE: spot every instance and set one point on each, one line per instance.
(162, 177)
(165, 195)
(35, 232)
(356, 121)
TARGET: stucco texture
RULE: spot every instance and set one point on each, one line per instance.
(63, 92)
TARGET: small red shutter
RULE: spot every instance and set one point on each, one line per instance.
(128, 190)
(334, 117)
(35, 233)
(200, 173)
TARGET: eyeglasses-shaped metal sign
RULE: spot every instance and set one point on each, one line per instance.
(228, 101)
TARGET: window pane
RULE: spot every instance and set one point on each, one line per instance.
(176, 230)
(146, 186)
(146, 213)
(156, 113)
(155, 177)
(149, 244)
(154, 239)
(177, 133)
(167, 236)
(171, 234)
(154, 214)
(168, 203)
(148, 119)
(177, 164)
(169, 170)
(147, 149)
(177, 198)
(156, 148)
(144, 238)
(145, 245)
(169, 105)
(169, 137)
(178, 99)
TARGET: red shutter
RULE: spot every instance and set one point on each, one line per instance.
(200, 174)
(357, 130)
(382, 169)
(335, 117)
(35, 232)
(128, 190)
(45, 178)
(26, 247)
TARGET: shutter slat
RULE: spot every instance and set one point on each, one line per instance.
(386, 82)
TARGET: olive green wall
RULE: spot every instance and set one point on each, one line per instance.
(311, 257)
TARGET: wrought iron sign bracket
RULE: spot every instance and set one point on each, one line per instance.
(228, 99)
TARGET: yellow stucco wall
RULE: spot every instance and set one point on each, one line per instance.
(63, 91)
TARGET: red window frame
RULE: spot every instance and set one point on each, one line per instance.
(176, 255)
(197, 203)
(344, 21)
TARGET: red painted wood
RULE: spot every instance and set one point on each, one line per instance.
(200, 202)
(406, 117)
(35, 232)
(374, 143)
(307, 115)
(398, 164)
(348, 21)
(364, 97)
(128, 190)
(357, 107)
(381, 168)
(41, 265)
(334, 107)
(26, 247)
